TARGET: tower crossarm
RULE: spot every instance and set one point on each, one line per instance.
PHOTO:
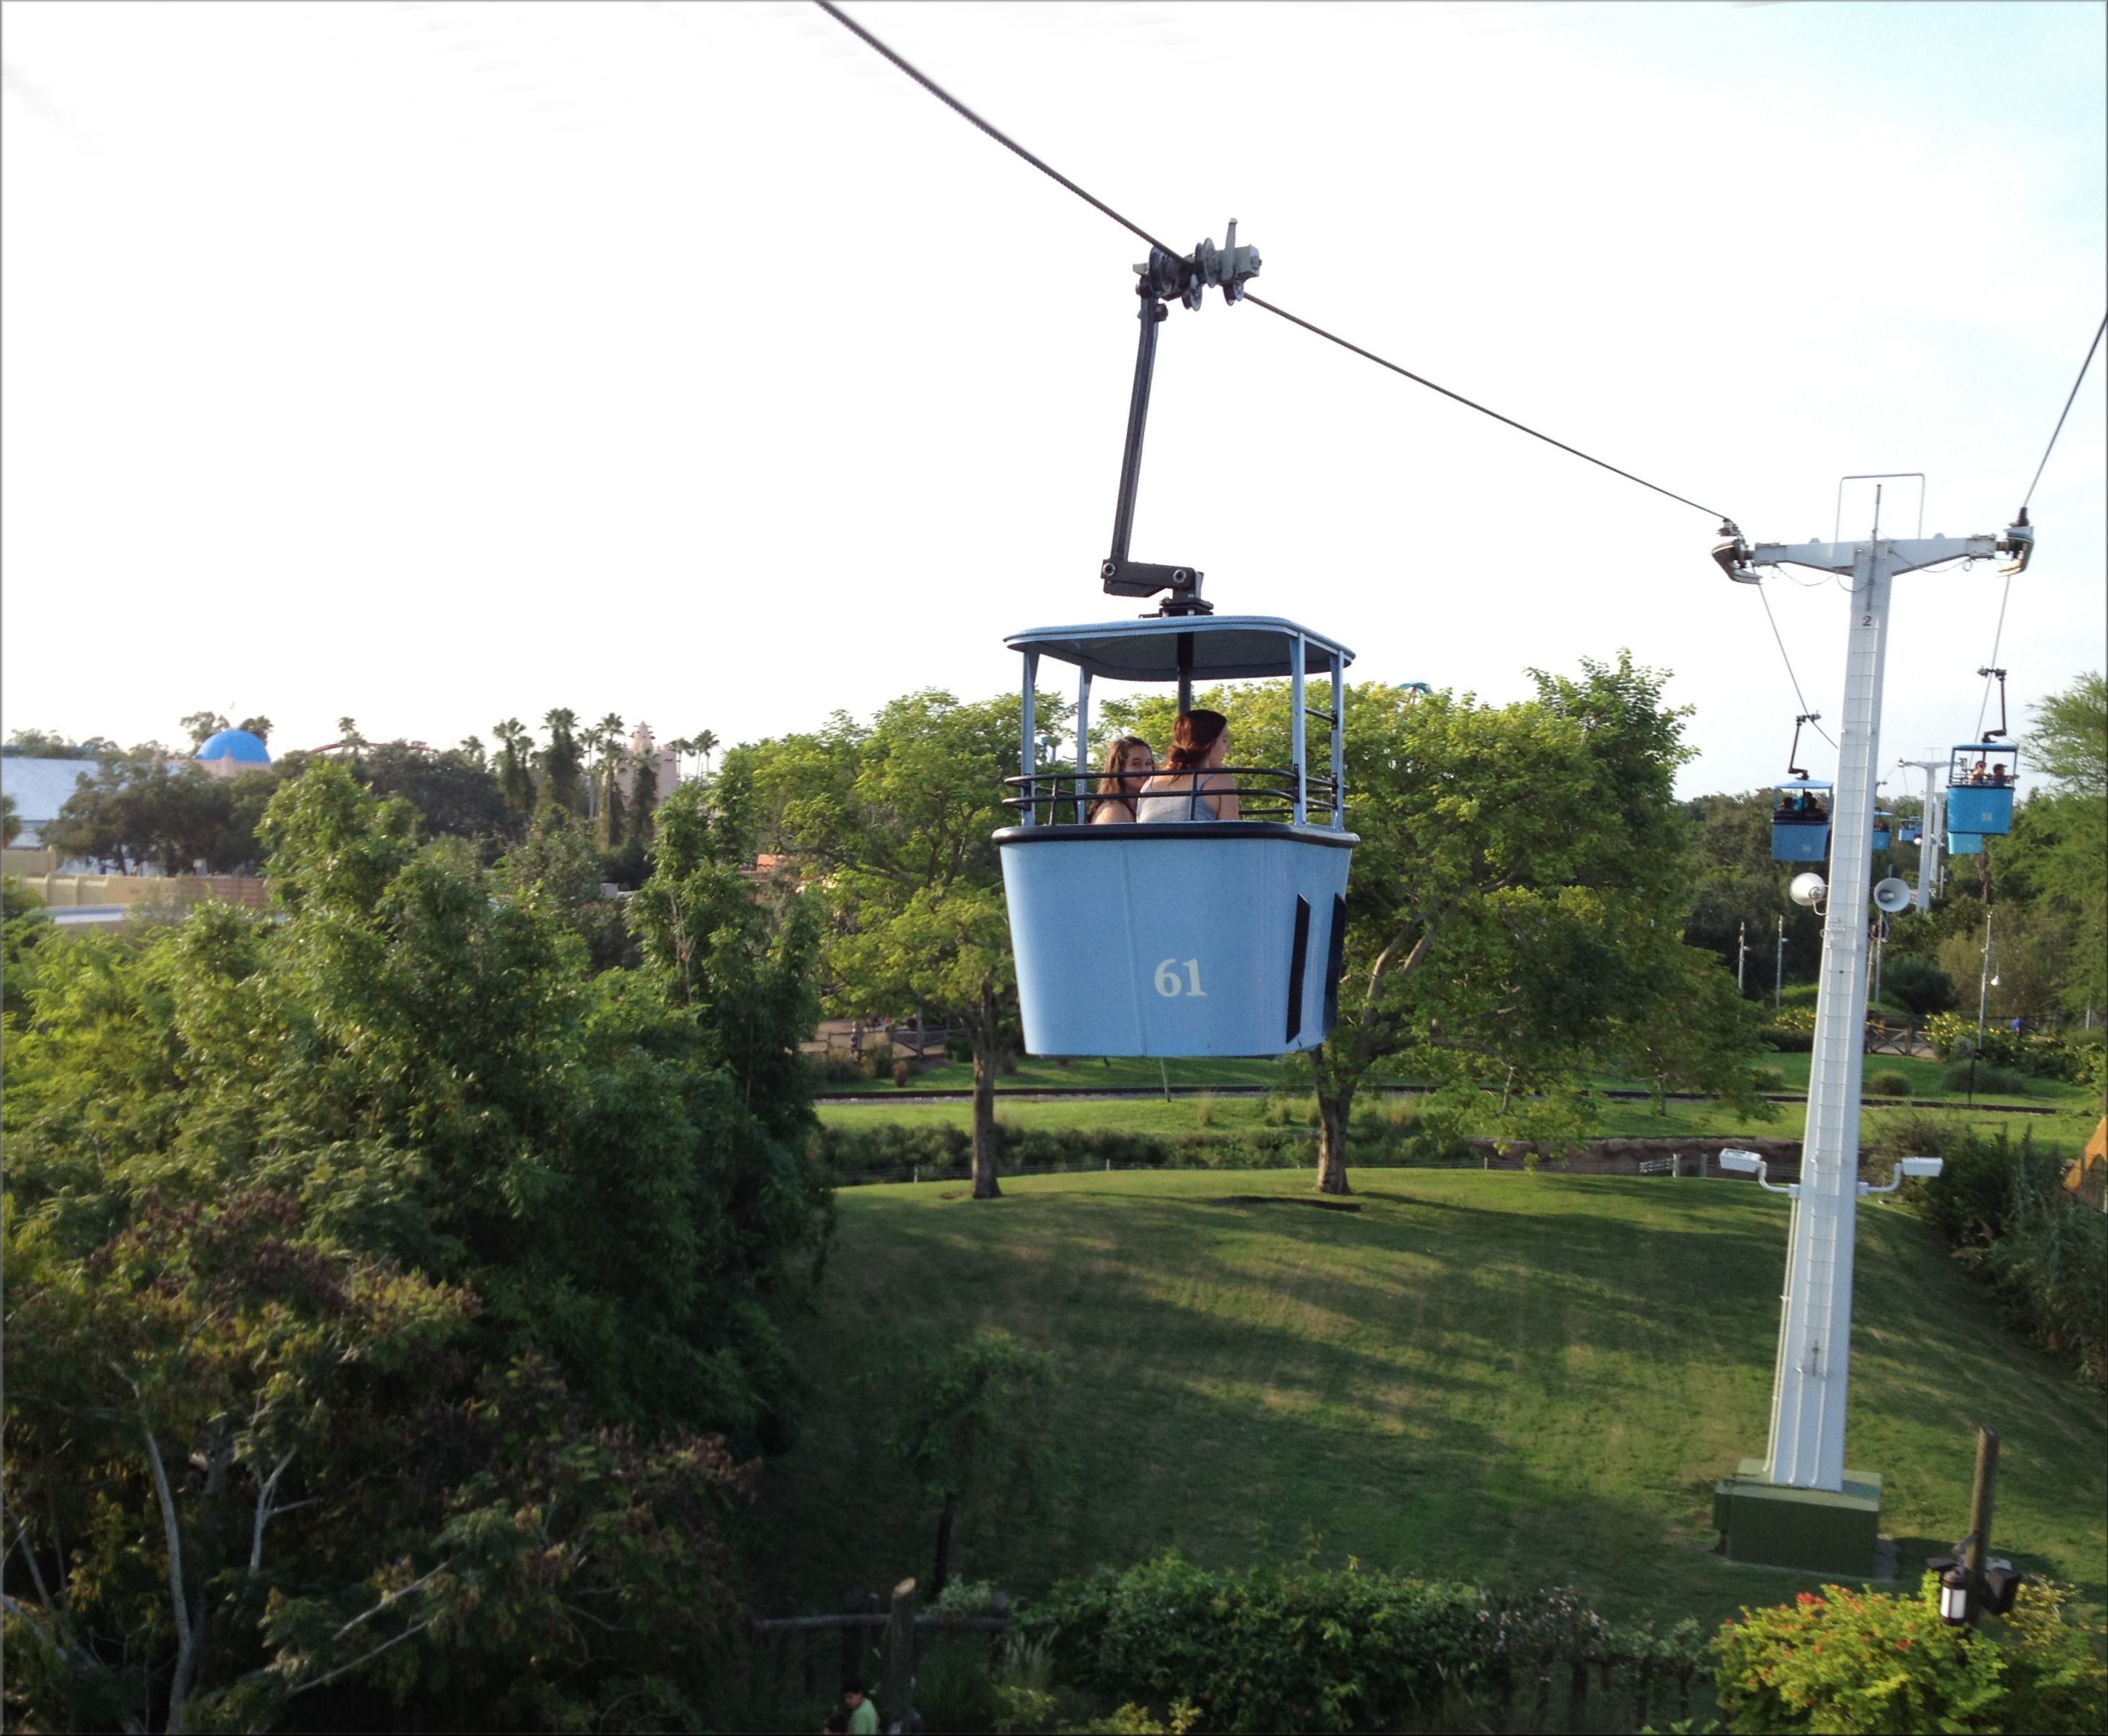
(1905, 554)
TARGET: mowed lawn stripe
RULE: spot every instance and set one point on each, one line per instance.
(1510, 1378)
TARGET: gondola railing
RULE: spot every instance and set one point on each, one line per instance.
(1059, 797)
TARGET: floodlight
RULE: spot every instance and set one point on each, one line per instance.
(1807, 889)
(1925, 1167)
(1743, 1163)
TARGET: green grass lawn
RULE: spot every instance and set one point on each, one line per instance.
(1509, 1379)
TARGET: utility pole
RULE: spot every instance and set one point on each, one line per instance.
(1778, 969)
(1806, 1449)
(1983, 1006)
(1742, 954)
(1932, 833)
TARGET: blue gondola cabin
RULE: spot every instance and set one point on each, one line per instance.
(1184, 936)
(1980, 778)
(1801, 821)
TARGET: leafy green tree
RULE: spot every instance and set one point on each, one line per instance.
(202, 725)
(556, 868)
(390, 1299)
(741, 966)
(1512, 911)
(974, 1433)
(455, 796)
(260, 727)
(2056, 859)
(11, 819)
(563, 780)
(1738, 893)
(159, 811)
(42, 744)
(23, 926)
(705, 744)
(895, 823)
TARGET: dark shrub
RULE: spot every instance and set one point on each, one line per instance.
(1919, 987)
(1890, 1083)
(1988, 1079)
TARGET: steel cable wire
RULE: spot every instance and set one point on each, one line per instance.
(1008, 143)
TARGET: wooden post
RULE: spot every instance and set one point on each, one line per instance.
(897, 1708)
(852, 1635)
(1981, 1499)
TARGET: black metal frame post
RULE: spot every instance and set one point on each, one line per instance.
(1153, 314)
(1163, 276)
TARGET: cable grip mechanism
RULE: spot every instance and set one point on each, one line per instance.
(1162, 276)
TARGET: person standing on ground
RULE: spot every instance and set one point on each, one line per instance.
(864, 1716)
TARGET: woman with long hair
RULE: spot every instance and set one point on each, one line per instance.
(1129, 763)
(1192, 786)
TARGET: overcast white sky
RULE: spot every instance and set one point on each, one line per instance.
(435, 363)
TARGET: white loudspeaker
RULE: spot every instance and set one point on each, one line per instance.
(1892, 894)
(1807, 889)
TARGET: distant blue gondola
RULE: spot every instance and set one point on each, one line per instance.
(1186, 937)
(1980, 778)
(1801, 821)
(1881, 829)
(1909, 833)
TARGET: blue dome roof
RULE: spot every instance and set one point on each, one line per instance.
(235, 744)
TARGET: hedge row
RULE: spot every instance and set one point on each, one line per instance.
(894, 1149)
(1305, 1648)
(2002, 1207)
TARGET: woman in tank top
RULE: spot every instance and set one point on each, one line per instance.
(1129, 764)
(1191, 786)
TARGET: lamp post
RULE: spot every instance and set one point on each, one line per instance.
(1806, 1449)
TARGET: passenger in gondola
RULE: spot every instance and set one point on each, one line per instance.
(1978, 773)
(1192, 786)
(2000, 776)
(1129, 763)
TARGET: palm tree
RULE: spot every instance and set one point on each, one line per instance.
(589, 747)
(514, 744)
(609, 731)
(705, 744)
(560, 763)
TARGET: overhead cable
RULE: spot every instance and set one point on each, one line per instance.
(1008, 143)
(1472, 403)
(994, 131)
(1998, 634)
(2066, 411)
(1805, 708)
(1990, 676)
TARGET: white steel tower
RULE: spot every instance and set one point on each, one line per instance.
(1806, 1446)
